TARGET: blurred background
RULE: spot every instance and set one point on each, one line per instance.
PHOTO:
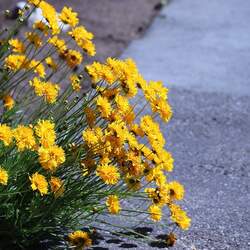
(114, 23)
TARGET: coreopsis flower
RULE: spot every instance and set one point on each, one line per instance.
(39, 182)
(24, 138)
(176, 190)
(179, 216)
(95, 71)
(34, 39)
(17, 45)
(79, 239)
(50, 15)
(108, 173)
(34, 2)
(8, 102)
(153, 132)
(48, 90)
(6, 134)
(37, 67)
(68, 16)
(159, 195)
(104, 106)
(51, 63)
(113, 204)
(92, 136)
(136, 129)
(73, 58)
(45, 130)
(83, 38)
(75, 82)
(16, 62)
(155, 212)
(58, 43)
(56, 186)
(155, 90)
(51, 157)
(39, 25)
(162, 107)
(3, 176)
(164, 160)
(122, 103)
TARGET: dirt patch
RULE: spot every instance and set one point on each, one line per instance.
(115, 23)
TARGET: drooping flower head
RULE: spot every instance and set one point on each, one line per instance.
(38, 182)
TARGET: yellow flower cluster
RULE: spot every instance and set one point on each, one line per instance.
(50, 155)
(104, 139)
(121, 138)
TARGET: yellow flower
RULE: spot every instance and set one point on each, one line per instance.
(67, 16)
(113, 204)
(92, 136)
(176, 190)
(50, 158)
(122, 103)
(16, 62)
(166, 161)
(34, 39)
(159, 195)
(6, 134)
(104, 106)
(179, 217)
(109, 174)
(73, 58)
(24, 137)
(45, 130)
(58, 43)
(56, 186)
(39, 25)
(9, 102)
(37, 67)
(80, 239)
(3, 176)
(17, 45)
(38, 182)
(38, 86)
(162, 107)
(48, 90)
(51, 63)
(155, 90)
(50, 15)
(75, 82)
(34, 2)
(155, 212)
(83, 39)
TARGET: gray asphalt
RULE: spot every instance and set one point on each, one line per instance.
(201, 50)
